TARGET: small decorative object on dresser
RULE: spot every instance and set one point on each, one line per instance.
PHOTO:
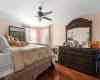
(64, 44)
(94, 44)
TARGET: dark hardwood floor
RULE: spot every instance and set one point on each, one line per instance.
(63, 73)
(53, 74)
(75, 75)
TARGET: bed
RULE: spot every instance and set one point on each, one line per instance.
(6, 65)
(23, 63)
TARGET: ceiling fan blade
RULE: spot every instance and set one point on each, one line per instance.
(33, 11)
(47, 13)
(47, 18)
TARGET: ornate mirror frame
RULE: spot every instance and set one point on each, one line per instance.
(80, 23)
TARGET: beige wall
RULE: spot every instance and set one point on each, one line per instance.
(95, 25)
(4, 26)
(59, 29)
(58, 33)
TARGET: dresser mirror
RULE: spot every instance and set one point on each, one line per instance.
(79, 33)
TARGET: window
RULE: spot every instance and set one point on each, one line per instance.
(31, 35)
(45, 35)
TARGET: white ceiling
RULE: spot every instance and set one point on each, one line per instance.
(63, 10)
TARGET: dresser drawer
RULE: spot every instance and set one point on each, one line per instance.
(76, 55)
(91, 58)
(77, 60)
(76, 50)
(76, 66)
(63, 48)
(91, 52)
(91, 70)
(91, 63)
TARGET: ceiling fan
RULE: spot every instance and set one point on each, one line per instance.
(42, 15)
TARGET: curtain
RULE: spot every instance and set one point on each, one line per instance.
(46, 35)
(31, 35)
(50, 35)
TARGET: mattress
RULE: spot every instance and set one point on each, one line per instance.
(6, 64)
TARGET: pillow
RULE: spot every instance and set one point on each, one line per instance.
(8, 38)
(4, 46)
(11, 38)
(16, 39)
(22, 44)
(14, 43)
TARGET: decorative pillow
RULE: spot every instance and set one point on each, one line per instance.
(16, 39)
(14, 43)
(11, 38)
(22, 43)
(94, 44)
(4, 46)
(8, 38)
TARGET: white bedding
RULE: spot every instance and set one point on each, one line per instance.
(6, 62)
(6, 66)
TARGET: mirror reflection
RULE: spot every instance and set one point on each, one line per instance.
(78, 37)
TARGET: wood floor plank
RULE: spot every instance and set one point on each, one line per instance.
(53, 74)
(63, 73)
(75, 75)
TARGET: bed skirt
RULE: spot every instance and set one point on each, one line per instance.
(32, 71)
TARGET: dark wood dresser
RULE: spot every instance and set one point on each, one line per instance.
(80, 59)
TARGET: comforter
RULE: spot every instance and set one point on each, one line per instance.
(26, 56)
